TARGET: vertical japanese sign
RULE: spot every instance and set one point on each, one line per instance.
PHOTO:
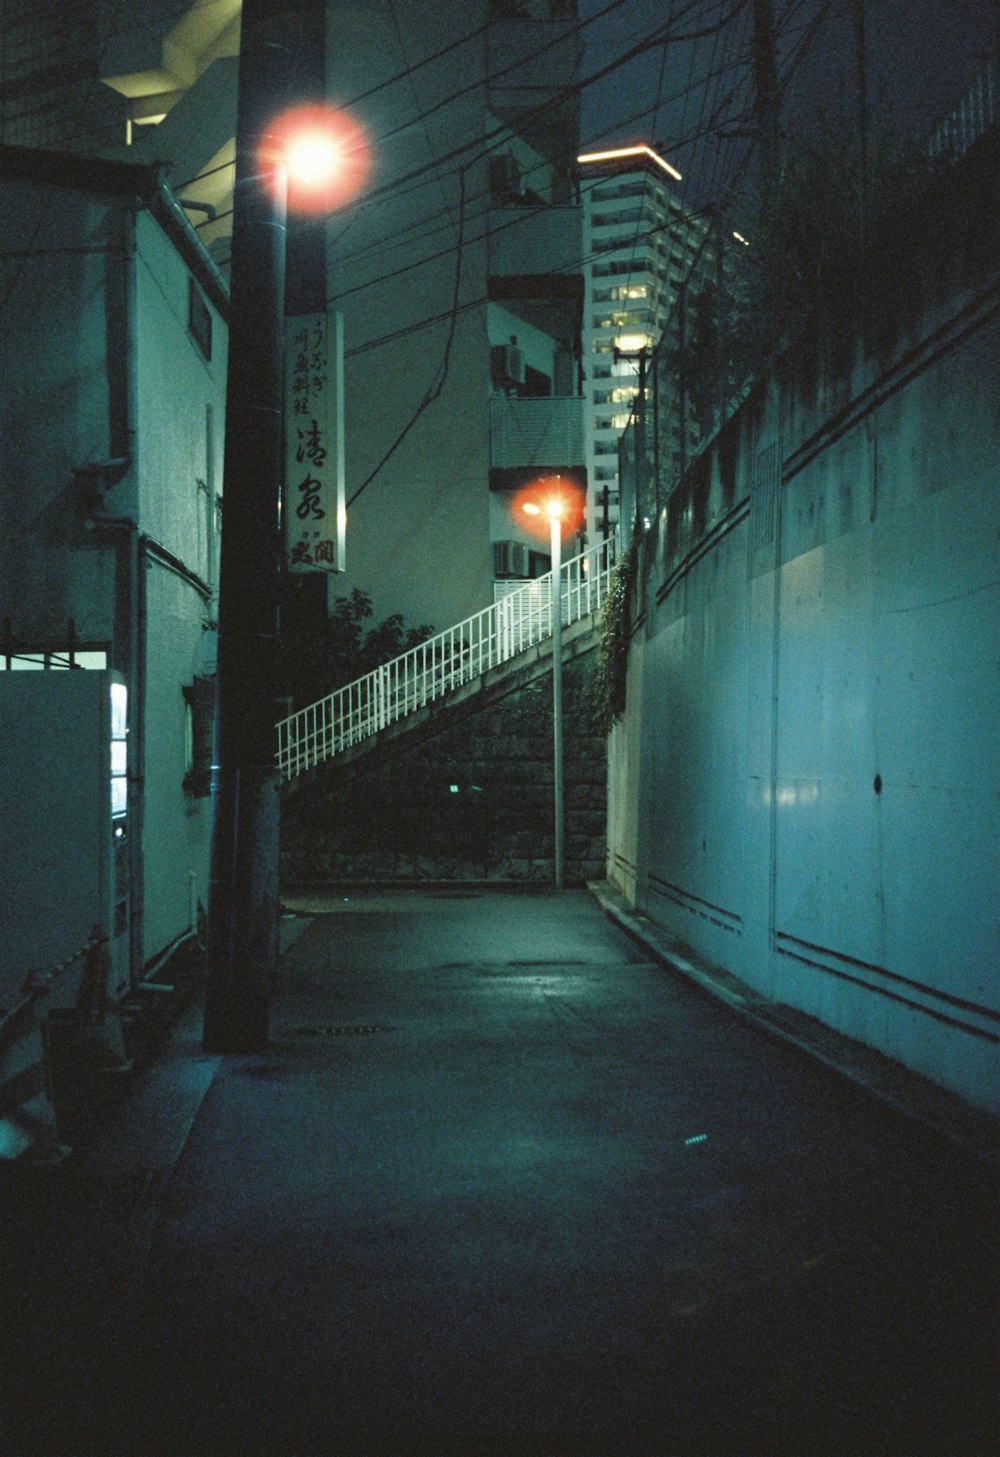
(314, 509)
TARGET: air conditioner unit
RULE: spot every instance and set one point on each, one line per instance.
(510, 559)
(507, 364)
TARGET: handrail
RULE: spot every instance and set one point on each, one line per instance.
(38, 984)
(442, 663)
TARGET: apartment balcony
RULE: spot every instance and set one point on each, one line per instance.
(534, 266)
(536, 437)
(533, 65)
(535, 241)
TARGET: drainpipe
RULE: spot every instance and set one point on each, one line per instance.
(129, 583)
(137, 626)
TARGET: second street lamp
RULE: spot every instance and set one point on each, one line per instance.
(553, 504)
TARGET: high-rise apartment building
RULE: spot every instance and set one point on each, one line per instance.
(640, 243)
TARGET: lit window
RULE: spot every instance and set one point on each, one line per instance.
(53, 658)
(631, 343)
(119, 750)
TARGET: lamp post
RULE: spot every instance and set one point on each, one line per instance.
(273, 169)
(554, 506)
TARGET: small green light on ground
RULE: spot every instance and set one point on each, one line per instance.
(697, 1138)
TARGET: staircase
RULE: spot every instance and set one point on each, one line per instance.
(443, 663)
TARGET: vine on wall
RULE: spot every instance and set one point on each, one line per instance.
(610, 674)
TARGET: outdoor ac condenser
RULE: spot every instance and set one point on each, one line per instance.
(507, 362)
(510, 559)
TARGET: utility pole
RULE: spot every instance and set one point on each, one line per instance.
(861, 48)
(765, 71)
(243, 888)
(641, 357)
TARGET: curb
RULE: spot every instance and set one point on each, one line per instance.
(916, 1099)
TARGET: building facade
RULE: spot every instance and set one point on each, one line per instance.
(457, 270)
(803, 786)
(640, 244)
(113, 407)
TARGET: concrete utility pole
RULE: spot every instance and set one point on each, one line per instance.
(641, 358)
(861, 51)
(765, 71)
(243, 889)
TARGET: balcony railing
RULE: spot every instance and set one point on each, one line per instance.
(548, 431)
(970, 120)
(442, 663)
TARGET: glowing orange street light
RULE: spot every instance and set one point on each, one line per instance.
(550, 499)
(323, 153)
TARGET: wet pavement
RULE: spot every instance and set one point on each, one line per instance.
(501, 1184)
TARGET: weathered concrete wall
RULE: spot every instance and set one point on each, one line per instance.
(804, 789)
(462, 791)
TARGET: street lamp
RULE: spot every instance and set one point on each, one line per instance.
(554, 504)
(289, 154)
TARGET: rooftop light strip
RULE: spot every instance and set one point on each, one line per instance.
(618, 153)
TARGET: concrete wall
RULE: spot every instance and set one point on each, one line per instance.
(804, 788)
(105, 368)
(180, 434)
(418, 537)
(55, 405)
(461, 791)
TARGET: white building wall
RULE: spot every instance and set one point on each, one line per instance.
(55, 391)
(180, 437)
(108, 371)
(808, 797)
(180, 406)
(418, 537)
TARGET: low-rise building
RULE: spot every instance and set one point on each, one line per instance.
(112, 399)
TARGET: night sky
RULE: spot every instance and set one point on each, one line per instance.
(922, 55)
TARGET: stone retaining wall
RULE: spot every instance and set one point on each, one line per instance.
(461, 791)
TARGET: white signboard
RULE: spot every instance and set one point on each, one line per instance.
(315, 512)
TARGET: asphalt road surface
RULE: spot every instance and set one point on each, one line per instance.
(500, 1185)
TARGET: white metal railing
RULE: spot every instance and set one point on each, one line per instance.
(970, 119)
(443, 662)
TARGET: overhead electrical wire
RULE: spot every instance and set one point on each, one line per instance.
(810, 32)
(426, 171)
(43, 208)
(488, 142)
(438, 384)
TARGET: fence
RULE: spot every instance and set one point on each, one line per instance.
(970, 120)
(442, 663)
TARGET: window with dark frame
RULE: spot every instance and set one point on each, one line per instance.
(199, 707)
(199, 319)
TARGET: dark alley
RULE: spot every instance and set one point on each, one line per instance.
(500, 1184)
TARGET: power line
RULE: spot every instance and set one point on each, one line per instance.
(435, 390)
(427, 171)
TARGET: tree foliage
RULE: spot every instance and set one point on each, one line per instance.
(609, 679)
(315, 662)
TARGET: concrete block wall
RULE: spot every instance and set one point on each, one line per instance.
(462, 791)
(803, 790)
